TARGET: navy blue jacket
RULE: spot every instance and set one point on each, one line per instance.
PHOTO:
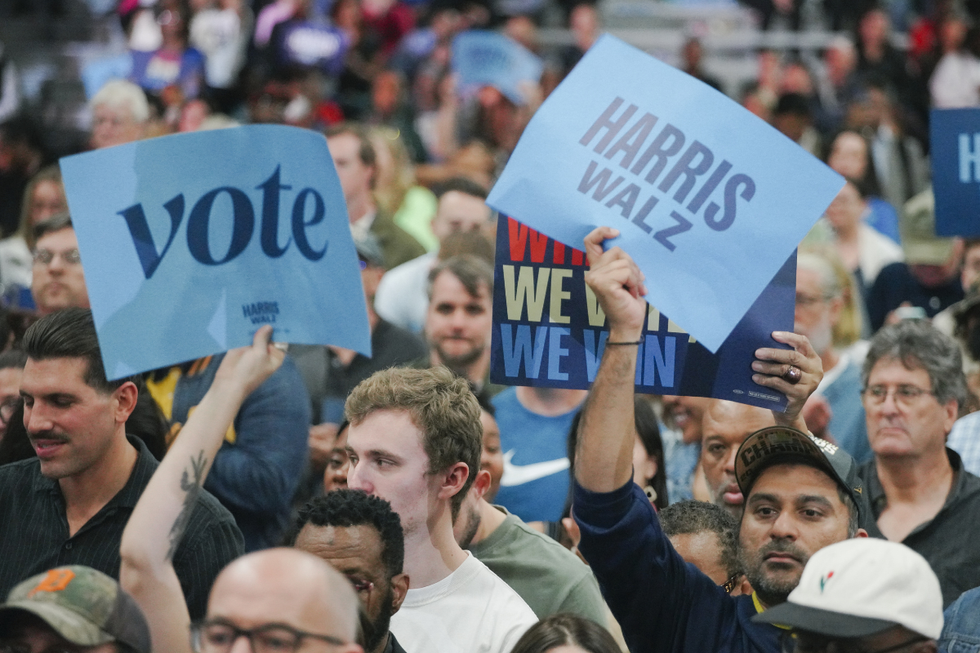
(662, 603)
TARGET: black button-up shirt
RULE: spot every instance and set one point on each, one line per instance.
(950, 540)
(34, 531)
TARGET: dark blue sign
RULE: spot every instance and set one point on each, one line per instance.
(549, 330)
(955, 145)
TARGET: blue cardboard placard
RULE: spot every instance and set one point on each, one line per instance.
(191, 242)
(955, 150)
(483, 58)
(709, 199)
(549, 330)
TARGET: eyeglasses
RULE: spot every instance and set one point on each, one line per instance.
(906, 395)
(798, 642)
(805, 301)
(214, 636)
(360, 584)
(46, 256)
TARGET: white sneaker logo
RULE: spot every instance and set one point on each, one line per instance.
(521, 474)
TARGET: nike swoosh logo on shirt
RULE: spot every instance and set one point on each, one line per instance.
(521, 474)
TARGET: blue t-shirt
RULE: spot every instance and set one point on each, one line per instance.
(535, 482)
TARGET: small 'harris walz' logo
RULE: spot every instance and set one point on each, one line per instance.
(261, 312)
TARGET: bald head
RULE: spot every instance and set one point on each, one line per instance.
(286, 587)
(725, 426)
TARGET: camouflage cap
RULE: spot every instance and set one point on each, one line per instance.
(778, 444)
(81, 604)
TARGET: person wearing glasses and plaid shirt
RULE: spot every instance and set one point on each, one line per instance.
(919, 492)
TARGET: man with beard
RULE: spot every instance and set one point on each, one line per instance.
(549, 577)
(797, 500)
(58, 281)
(919, 492)
(459, 320)
(362, 538)
(819, 305)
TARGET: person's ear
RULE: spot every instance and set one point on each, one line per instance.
(124, 401)
(453, 479)
(399, 589)
(481, 483)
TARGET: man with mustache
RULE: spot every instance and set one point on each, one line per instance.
(801, 493)
(70, 503)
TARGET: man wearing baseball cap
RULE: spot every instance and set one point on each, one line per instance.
(73, 606)
(863, 595)
(799, 494)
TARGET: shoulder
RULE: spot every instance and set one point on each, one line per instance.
(500, 597)
(961, 627)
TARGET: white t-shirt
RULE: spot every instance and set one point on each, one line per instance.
(469, 611)
(403, 297)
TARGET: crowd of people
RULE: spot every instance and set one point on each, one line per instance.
(304, 498)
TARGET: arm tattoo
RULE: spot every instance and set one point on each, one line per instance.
(191, 485)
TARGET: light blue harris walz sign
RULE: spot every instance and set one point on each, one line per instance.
(192, 242)
(710, 201)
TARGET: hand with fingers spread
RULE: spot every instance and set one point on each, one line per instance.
(795, 372)
(618, 285)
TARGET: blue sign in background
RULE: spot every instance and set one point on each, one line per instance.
(191, 242)
(548, 332)
(709, 199)
(484, 58)
(955, 152)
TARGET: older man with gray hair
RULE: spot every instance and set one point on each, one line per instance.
(919, 492)
(120, 113)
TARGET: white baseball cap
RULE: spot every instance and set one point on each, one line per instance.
(860, 587)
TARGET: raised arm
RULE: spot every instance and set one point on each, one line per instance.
(604, 456)
(158, 522)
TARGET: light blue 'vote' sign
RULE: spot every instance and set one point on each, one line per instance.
(710, 200)
(191, 242)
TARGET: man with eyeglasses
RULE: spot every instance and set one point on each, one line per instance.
(919, 492)
(362, 538)
(862, 596)
(72, 609)
(58, 281)
(281, 601)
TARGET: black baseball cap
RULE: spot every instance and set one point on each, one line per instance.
(775, 445)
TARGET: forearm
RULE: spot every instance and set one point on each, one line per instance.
(604, 453)
(158, 522)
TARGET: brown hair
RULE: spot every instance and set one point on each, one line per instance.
(51, 173)
(440, 405)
